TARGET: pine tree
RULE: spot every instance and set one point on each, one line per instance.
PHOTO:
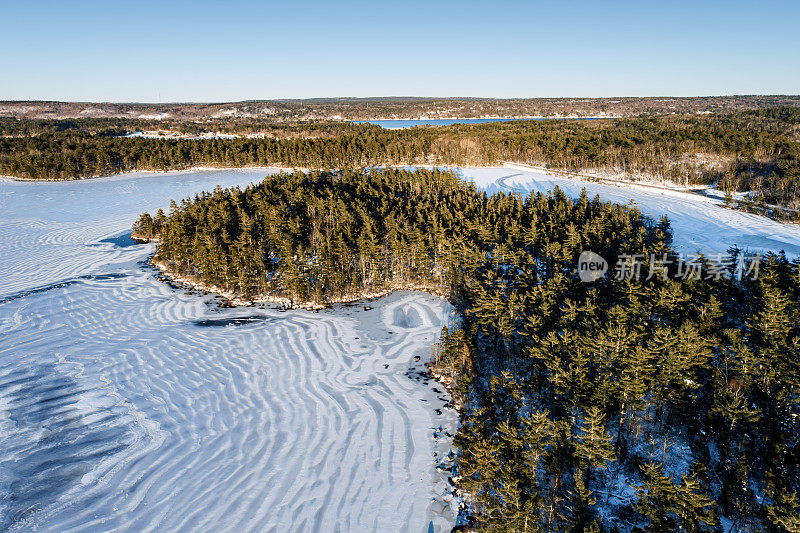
(784, 513)
(592, 450)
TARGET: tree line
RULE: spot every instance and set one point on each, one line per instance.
(643, 404)
(746, 151)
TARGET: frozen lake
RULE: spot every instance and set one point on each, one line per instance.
(128, 405)
(396, 124)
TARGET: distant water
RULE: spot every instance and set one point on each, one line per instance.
(400, 124)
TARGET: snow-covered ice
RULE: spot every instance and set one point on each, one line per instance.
(125, 404)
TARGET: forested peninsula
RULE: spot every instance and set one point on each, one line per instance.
(754, 152)
(657, 402)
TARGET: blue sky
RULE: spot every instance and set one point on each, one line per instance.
(169, 51)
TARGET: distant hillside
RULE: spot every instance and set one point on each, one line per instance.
(752, 151)
(393, 107)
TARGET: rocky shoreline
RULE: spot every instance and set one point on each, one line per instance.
(237, 299)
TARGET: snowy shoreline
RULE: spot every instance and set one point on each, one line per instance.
(709, 194)
(200, 168)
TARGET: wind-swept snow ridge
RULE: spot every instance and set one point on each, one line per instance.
(127, 406)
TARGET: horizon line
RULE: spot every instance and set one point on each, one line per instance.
(308, 99)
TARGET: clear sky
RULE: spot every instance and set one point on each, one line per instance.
(167, 51)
